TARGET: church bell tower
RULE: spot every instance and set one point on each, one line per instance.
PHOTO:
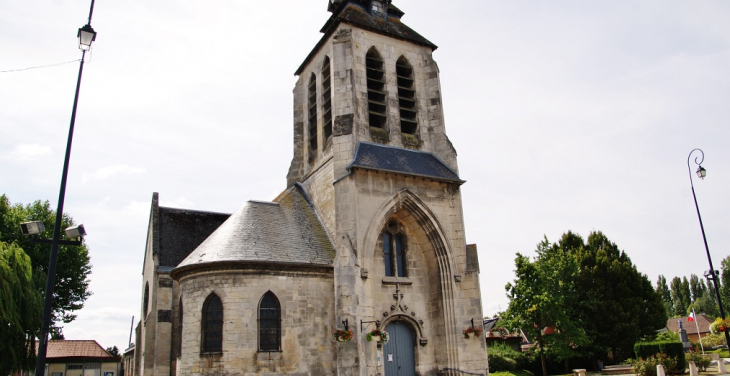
(372, 154)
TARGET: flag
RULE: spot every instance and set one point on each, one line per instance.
(691, 316)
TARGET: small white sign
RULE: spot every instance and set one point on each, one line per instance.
(390, 357)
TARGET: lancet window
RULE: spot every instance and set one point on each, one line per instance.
(406, 96)
(376, 89)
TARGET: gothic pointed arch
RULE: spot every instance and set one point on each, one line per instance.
(406, 96)
(407, 205)
(212, 325)
(326, 100)
(269, 323)
(312, 116)
(375, 74)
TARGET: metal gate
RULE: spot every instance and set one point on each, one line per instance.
(398, 352)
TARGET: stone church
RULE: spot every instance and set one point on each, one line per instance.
(368, 234)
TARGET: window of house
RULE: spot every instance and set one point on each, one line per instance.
(180, 330)
(269, 323)
(326, 99)
(212, 325)
(394, 251)
(312, 116)
(376, 89)
(406, 96)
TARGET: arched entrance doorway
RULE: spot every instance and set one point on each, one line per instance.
(398, 353)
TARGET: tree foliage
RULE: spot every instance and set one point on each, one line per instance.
(541, 301)
(590, 292)
(73, 268)
(20, 310)
(620, 305)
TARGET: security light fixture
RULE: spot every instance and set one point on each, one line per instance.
(86, 35)
(701, 172)
(74, 232)
(32, 228)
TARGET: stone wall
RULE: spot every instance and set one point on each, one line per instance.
(307, 321)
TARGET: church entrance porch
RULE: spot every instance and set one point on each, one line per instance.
(399, 351)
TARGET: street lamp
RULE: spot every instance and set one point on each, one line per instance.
(701, 172)
(86, 36)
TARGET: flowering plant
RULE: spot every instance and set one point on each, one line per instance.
(342, 335)
(472, 331)
(720, 325)
(379, 335)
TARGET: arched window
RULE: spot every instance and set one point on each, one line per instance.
(376, 89)
(394, 251)
(212, 325)
(312, 116)
(146, 299)
(180, 329)
(406, 96)
(326, 99)
(269, 323)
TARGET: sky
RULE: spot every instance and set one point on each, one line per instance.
(566, 115)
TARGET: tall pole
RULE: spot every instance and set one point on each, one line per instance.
(40, 366)
(698, 161)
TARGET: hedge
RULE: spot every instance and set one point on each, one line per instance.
(672, 349)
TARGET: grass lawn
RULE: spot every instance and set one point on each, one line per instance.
(512, 373)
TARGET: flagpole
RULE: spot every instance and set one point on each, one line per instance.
(699, 337)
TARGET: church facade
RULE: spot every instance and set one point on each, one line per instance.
(368, 235)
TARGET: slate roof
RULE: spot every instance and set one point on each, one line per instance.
(284, 232)
(182, 230)
(75, 349)
(703, 322)
(408, 162)
(354, 13)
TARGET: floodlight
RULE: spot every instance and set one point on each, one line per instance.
(32, 228)
(74, 232)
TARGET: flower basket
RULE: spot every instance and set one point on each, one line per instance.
(342, 335)
(472, 332)
(377, 335)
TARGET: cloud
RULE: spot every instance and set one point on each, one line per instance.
(26, 152)
(112, 171)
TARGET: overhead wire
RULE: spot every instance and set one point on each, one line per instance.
(40, 66)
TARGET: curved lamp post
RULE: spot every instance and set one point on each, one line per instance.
(86, 36)
(701, 172)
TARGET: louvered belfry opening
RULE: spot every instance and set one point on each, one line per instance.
(326, 100)
(376, 89)
(406, 97)
(312, 106)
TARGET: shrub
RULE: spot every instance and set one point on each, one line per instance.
(507, 352)
(712, 340)
(498, 362)
(647, 367)
(701, 361)
(671, 349)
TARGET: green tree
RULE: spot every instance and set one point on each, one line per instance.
(20, 310)
(541, 298)
(663, 290)
(619, 304)
(678, 297)
(73, 268)
(113, 350)
(696, 288)
(724, 284)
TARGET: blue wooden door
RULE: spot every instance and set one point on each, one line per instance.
(398, 353)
